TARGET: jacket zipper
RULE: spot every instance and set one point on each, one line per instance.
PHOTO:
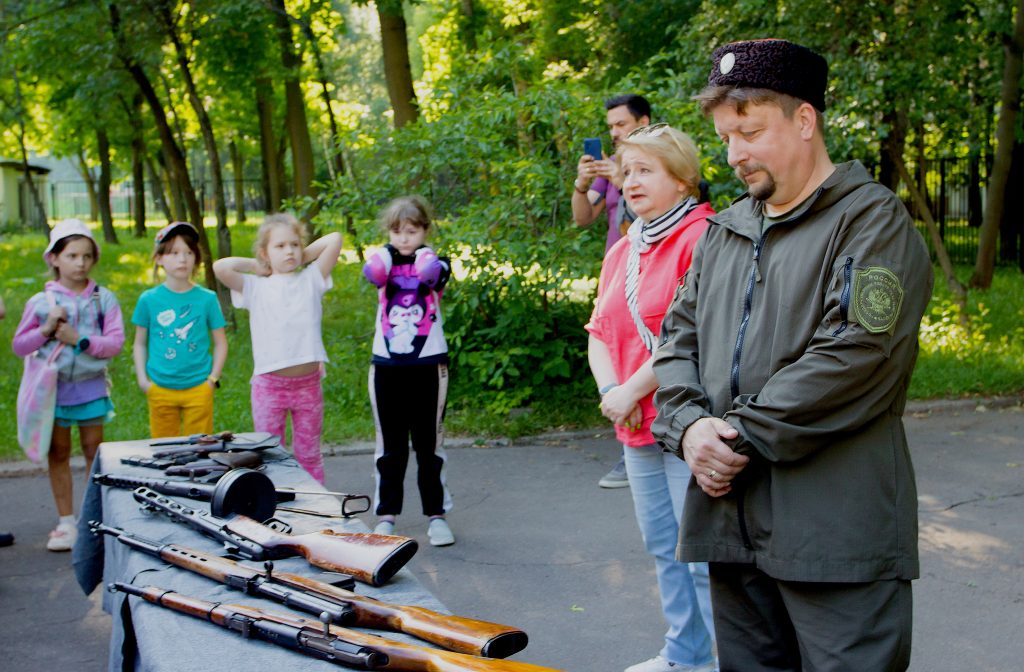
(755, 277)
(844, 298)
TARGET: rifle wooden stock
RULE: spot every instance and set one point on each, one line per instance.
(370, 558)
(395, 655)
(457, 633)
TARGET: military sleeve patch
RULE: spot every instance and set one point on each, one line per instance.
(877, 298)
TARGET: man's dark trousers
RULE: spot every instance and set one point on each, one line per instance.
(764, 624)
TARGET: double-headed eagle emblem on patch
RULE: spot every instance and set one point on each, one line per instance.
(877, 299)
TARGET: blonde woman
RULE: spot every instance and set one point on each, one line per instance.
(639, 276)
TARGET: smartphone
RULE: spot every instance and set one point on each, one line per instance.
(592, 146)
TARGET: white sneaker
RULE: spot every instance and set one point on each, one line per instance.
(661, 664)
(439, 532)
(62, 538)
(384, 527)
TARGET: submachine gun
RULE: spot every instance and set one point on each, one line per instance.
(245, 491)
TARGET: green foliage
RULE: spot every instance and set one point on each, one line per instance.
(985, 356)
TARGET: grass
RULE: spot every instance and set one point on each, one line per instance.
(986, 359)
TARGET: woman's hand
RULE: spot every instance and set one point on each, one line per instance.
(620, 406)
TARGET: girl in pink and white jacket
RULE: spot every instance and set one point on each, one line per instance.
(86, 318)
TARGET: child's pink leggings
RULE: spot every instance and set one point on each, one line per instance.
(274, 396)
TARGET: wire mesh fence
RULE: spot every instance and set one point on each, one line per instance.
(72, 199)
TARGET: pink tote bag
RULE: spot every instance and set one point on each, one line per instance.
(37, 401)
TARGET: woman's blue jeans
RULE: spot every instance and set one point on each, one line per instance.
(658, 482)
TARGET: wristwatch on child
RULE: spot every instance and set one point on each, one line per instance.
(82, 345)
(213, 381)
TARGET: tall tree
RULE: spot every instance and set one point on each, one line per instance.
(303, 169)
(168, 19)
(1013, 49)
(106, 216)
(270, 163)
(134, 112)
(394, 43)
(177, 166)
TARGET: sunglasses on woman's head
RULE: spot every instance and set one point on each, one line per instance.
(653, 130)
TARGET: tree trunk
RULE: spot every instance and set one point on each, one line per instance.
(922, 167)
(892, 145)
(106, 217)
(295, 107)
(337, 161)
(177, 167)
(90, 186)
(157, 187)
(394, 44)
(37, 202)
(955, 286)
(984, 266)
(468, 25)
(206, 128)
(1011, 234)
(268, 150)
(138, 167)
(335, 150)
(237, 167)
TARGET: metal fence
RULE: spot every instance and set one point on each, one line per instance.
(71, 199)
(954, 191)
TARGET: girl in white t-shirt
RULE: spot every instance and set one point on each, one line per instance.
(283, 299)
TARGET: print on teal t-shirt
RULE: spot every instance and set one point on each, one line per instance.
(179, 327)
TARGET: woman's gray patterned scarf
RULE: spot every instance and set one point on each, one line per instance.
(642, 235)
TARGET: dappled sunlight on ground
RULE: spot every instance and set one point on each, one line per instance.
(967, 549)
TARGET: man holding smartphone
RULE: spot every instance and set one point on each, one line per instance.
(599, 178)
(598, 187)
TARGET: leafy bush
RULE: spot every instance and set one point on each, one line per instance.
(498, 169)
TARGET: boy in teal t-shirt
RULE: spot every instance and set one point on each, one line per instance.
(176, 322)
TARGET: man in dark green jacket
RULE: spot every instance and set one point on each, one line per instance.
(784, 365)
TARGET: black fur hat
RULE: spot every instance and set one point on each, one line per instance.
(772, 64)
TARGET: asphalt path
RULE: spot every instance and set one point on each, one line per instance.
(540, 546)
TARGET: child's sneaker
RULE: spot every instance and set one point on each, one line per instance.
(62, 538)
(385, 527)
(439, 532)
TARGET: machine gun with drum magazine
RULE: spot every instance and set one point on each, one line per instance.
(322, 640)
(244, 491)
(370, 558)
(341, 606)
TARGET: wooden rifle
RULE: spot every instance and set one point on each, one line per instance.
(342, 607)
(370, 558)
(322, 640)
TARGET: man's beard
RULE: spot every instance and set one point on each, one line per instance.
(760, 191)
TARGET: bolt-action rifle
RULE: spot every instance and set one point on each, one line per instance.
(322, 640)
(370, 558)
(342, 607)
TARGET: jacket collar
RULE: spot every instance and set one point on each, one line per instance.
(57, 288)
(743, 217)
